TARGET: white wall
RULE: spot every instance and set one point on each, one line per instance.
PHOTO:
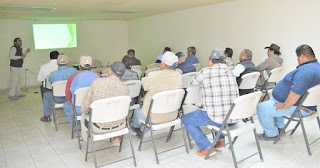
(103, 40)
(238, 24)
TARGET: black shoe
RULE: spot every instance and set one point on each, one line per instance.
(139, 133)
(280, 129)
(263, 137)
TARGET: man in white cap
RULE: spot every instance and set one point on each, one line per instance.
(158, 81)
(217, 78)
(80, 80)
(63, 73)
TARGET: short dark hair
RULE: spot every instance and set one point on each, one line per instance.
(229, 52)
(131, 52)
(275, 51)
(167, 49)
(86, 68)
(54, 54)
(192, 50)
(16, 39)
(127, 61)
(306, 50)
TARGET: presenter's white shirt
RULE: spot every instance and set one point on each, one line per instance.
(46, 69)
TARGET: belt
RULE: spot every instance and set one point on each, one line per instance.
(110, 128)
(307, 110)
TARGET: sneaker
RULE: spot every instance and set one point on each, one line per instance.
(13, 97)
(21, 95)
(139, 133)
(204, 152)
(116, 141)
(220, 145)
(45, 118)
(263, 137)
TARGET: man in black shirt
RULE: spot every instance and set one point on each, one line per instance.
(131, 53)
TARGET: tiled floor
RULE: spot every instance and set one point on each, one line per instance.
(25, 142)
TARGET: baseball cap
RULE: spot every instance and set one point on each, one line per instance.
(169, 58)
(217, 55)
(118, 68)
(62, 59)
(180, 54)
(85, 61)
(273, 47)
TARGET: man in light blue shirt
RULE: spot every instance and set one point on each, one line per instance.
(63, 73)
(192, 59)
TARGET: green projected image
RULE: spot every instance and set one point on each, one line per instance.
(49, 36)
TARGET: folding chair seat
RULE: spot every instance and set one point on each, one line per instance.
(58, 90)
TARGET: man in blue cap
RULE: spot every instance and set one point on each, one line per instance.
(183, 66)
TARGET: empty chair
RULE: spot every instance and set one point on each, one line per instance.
(310, 98)
(154, 65)
(58, 89)
(274, 77)
(106, 111)
(243, 107)
(136, 67)
(186, 79)
(47, 84)
(248, 83)
(77, 99)
(134, 91)
(198, 67)
(162, 103)
(151, 70)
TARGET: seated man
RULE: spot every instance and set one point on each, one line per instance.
(131, 53)
(160, 56)
(100, 89)
(217, 78)
(273, 61)
(183, 66)
(192, 59)
(228, 52)
(287, 93)
(158, 81)
(82, 79)
(46, 69)
(243, 67)
(129, 74)
(63, 73)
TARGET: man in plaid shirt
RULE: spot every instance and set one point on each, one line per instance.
(219, 88)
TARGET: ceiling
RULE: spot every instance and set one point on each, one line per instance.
(90, 9)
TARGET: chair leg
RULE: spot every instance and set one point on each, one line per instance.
(121, 143)
(258, 144)
(93, 152)
(215, 140)
(318, 122)
(295, 128)
(234, 140)
(232, 151)
(78, 133)
(282, 132)
(184, 139)
(88, 135)
(72, 125)
(54, 117)
(189, 139)
(142, 136)
(170, 133)
(305, 137)
(132, 150)
(154, 145)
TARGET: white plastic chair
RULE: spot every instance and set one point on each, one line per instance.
(198, 66)
(105, 111)
(154, 65)
(193, 100)
(134, 91)
(162, 103)
(139, 72)
(186, 78)
(243, 107)
(151, 70)
(136, 67)
(310, 98)
(47, 84)
(58, 90)
(105, 71)
(249, 80)
(77, 99)
(274, 77)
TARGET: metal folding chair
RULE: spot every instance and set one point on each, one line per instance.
(162, 103)
(104, 111)
(243, 107)
(198, 66)
(310, 98)
(186, 79)
(134, 91)
(274, 77)
(58, 90)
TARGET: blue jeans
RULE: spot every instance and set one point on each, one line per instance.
(270, 119)
(193, 121)
(137, 115)
(48, 99)
(67, 107)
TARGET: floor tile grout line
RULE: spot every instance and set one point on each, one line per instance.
(4, 156)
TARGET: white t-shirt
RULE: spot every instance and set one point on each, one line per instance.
(46, 69)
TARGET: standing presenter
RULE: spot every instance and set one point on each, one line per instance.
(16, 61)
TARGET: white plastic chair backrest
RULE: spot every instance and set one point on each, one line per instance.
(275, 75)
(134, 87)
(313, 97)
(138, 71)
(110, 109)
(194, 95)
(104, 75)
(79, 94)
(59, 88)
(136, 67)
(96, 63)
(249, 80)
(105, 71)
(47, 84)
(167, 101)
(246, 105)
(198, 67)
(154, 65)
(151, 70)
(186, 79)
